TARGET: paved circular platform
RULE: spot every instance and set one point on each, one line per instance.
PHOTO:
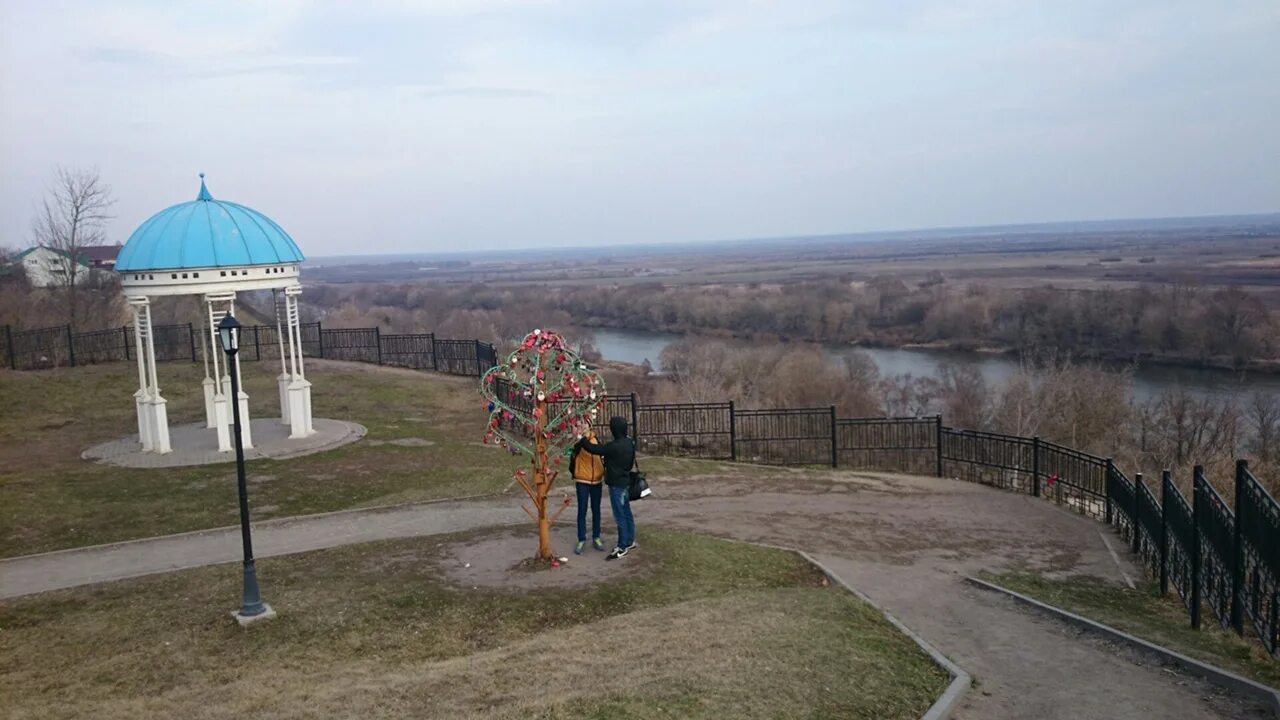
(196, 444)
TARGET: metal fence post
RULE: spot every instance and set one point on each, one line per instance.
(479, 370)
(1165, 483)
(377, 338)
(1237, 554)
(733, 433)
(8, 337)
(1137, 512)
(257, 346)
(319, 337)
(937, 424)
(435, 358)
(1035, 466)
(835, 449)
(191, 338)
(635, 421)
(124, 338)
(71, 346)
(1111, 469)
(1195, 546)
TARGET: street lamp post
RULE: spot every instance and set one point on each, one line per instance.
(251, 607)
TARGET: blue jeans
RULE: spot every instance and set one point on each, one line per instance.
(620, 501)
(588, 493)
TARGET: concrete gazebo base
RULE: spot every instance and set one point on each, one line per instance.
(195, 444)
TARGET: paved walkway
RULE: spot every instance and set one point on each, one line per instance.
(906, 542)
(195, 444)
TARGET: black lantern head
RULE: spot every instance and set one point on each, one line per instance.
(229, 334)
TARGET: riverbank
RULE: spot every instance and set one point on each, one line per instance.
(996, 365)
(1269, 366)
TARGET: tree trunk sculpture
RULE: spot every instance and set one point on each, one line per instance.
(541, 399)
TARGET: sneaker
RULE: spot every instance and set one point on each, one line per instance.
(577, 549)
(617, 553)
(598, 544)
(633, 546)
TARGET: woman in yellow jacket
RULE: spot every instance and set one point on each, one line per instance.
(588, 475)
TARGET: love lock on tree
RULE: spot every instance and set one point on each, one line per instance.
(541, 400)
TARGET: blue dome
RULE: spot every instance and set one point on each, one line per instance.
(206, 233)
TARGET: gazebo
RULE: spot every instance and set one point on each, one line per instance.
(213, 249)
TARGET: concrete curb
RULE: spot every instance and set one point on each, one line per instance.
(946, 704)
(255, 524)
(1268, 696)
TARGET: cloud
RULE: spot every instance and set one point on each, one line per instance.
(479, 91)
(212, 66)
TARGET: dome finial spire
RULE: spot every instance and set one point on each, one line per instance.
(204, 191)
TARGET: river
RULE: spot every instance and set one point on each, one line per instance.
(1148, 380)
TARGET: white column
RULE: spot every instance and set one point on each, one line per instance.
(141, 396)
(300, 425)
(159, 418)
(246, 429)
(217, 384)
(283, 379)
(210, 415)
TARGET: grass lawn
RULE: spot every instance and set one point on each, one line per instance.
(51, 499)
(704, 628)
(1145, 614)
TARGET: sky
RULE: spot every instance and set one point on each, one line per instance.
(436, 125)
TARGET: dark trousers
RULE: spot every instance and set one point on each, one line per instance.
(588, 493)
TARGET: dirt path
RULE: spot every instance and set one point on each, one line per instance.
(906, 542)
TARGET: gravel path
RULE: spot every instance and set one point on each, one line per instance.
(906, 542)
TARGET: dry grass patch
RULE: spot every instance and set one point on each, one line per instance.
(717, 630)
(421, 427)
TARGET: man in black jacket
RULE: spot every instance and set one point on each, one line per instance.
(619, 457)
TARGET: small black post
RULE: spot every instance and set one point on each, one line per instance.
(937, 424)
(319, 336)
(835, 449)
(733, 434)
(435, 359)
(71, 347)
(1166, 485)
(257, 344)
(377, 337)
(1137, 512)
(13, 358)
(1111, 471)
(1197, 475)
(191, 339)
(479, 370)
(635, 421)
(1237, 553)
(124, 333)
(1035, 466)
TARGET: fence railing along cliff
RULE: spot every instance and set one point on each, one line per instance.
(1212, 554)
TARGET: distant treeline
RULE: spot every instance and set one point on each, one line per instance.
(1179, 322)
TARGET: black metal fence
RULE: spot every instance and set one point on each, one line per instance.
(907, 445)
(1210, 553)
(58, 346)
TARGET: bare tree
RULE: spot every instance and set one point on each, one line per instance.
(1263, 412)
(73, 216)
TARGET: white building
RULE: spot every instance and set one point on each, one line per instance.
(46, 267)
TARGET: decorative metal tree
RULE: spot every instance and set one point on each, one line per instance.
(541, 400)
